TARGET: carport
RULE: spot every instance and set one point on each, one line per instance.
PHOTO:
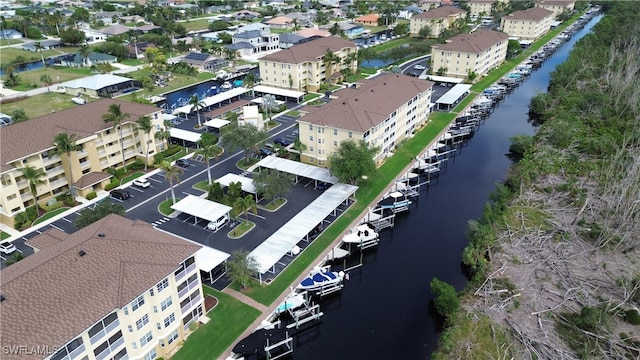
(282, 93)
(212, 100)
(275, 247)
(247, 183)
(298, 169)
(452, 97)
(184, 135)
(211, 262)
(201, 209)
(216, 123)
(444, 79)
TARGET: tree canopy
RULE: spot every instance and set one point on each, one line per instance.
(272, 184)
(353, 160)
(103, 208)
(246, 136)
(241, 266)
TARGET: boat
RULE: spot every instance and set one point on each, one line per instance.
(396, 202)
(361, 234)
(79, 100)
(290, 302)
(226, 85)
(321, 278)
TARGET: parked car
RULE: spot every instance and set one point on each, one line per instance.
(282, 141)
(120, 194)
(322, 185)
(419, 67)
(226, 85)
(218, 224)
(7, 248)
(140, 182)
(184, 163)
(265, 151)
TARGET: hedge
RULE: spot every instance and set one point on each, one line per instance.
(92, 195)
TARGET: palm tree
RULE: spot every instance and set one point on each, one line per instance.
(34, 177)
(66, 144)
(197, 105)
(300, 146)
(84, 52)
(208, 149)
(10, 71)
(164, 134)
(39, 48)
(329, 58)
(55, 19)
(250, 81)
(245, 204)
(172, 173)
(116, 116)
(144, 124)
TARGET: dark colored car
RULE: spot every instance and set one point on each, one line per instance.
(322, 185)
(120, 194)
(182, 163)
(282, 141)
(265, 151)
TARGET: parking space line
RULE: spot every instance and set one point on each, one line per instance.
(154, 179)
(77, 213)
(55, 227)
(2, 257)
(67, 220)
(186, 193)
(136, 189)
(18, 250)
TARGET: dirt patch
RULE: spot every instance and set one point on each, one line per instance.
(210, 302)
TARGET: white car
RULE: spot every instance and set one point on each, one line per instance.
(7, 248)
(226, 85)
(419, 67)
(143, 183)
(218, 224)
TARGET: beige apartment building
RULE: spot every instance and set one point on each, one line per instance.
(437, 19)
(381, 111)
(528, 24)
(557, 6)
(117, 289)
(483, 7)
(302, 67)
(478, 52)
(30, 143)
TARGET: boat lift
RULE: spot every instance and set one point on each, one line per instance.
(378, 220)
(304, 315)
(279, 349)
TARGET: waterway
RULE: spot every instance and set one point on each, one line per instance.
(383, 311)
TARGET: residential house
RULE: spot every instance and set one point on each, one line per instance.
(254, 41)
(303, 64)
(429, 4)
(483, 7)
(300, 17)
(92, 36)
(115, 30)
(367, 20)
(478, 52)
(288, 40)
(7, 14)
(528, 24)
(99, 150)
(117, 289)
(312, 32)
(280, 22)
(382, 111)
(253, 26)
(101, 85)
(245, 15)
(409, 11)
(437, 19)
(557, 6)
(204, 62)
(46, 45)
(348, 29)
(137, 49)
(77, 60)
(107, 17)
(10, 34)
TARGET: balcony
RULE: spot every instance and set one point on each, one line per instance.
(75, 354)
(185, 291)
(58, 183)
(189, 306)
(111, 349)
(186, 271)
(105, 331)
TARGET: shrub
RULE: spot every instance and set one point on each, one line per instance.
(446, 299)
(632, 317)
(137, 165)
(54, 206)
(32, 212)
(92, 195)
(172, 150)
(112, 185)
(21, 219)
(159, 158)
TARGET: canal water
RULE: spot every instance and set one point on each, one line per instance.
(383, 310)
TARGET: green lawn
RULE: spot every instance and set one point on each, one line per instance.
(9, 55)
(275, 204)
(132, 62)
(5, 42)
(165, 206)
(229, 319)
(241, 229)
(4, 235)
(31, 79)
(49, 215)
(178, 81)
(198, 24)
(39, 105)
(310, 96)
(131, 177)
(201, 185)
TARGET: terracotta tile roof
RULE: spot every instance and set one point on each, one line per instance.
(280, 20)
(534, 13)
(309, 32)
(47, 239)
(555, 2)
(473, 43)
(309, 51)
(439, 13)
(365, 107)
(55, 294)
(368, 18)
(84, 120)
(91, 179)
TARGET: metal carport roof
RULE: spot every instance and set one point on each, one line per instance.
(208, 258)
(216, 123)
(277, 91)
(247, 183)
(267, 254)
(212, 100)
(201, 208)
(184, 134)
(298, 169)
(454, 94)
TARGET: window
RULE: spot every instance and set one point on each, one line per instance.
(130, 328)
(145, 339)
(151, 355)
(310, 138)
(151, 292)
(169, 319)
(335, 131)
(311, 148)
(142, 321)
(158, 326)
(163, 285)
(172, 337)
(166, 303)
(135, 304)
(134, 345)
(155, 309)
(335, 143)
(126, 310)
(350, 134)
(310, 127)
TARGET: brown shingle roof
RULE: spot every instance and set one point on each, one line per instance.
(47, 239)
(280, 20)
(309, 51)
(91, 178)
(439, 13)
(84, 120)
(473, 43)
(555, 2)
(534, 13)
(55, 294)
(367, 106)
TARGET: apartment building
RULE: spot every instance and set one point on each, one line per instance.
(478, 52)
(381, 111)
(302, 67)
(557, 6)
(437, 19)
(116, 289)
(528, 24)
(484, 7)
(30, 143)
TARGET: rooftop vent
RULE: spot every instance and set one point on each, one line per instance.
(101, 235)
(82, 253)
(371, 90)
(384, 83)
(344, 103)
(2, 298)
(355, 99)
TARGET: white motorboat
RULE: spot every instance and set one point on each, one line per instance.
(79, 100)
(321, 278)
(361, 234)
(292, 301)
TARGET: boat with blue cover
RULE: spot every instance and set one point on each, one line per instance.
(320, 278)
